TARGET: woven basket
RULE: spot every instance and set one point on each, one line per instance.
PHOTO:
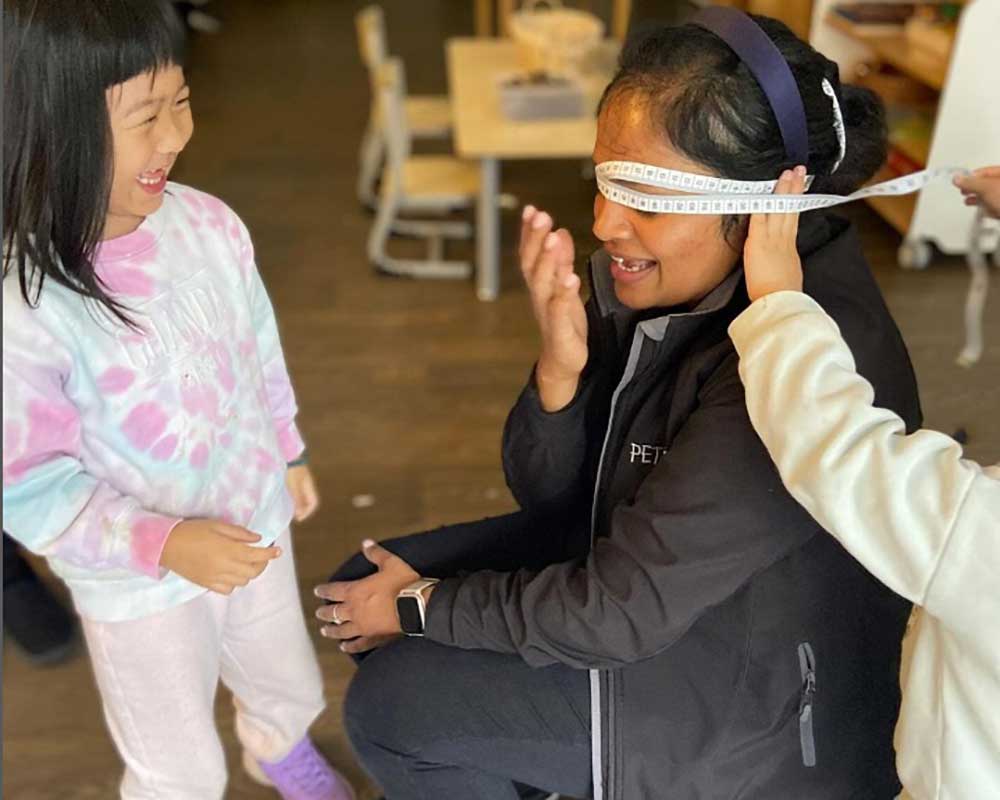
(554, 39)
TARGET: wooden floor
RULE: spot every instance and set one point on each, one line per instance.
(403, 386)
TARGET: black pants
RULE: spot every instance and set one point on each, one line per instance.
(431, 722)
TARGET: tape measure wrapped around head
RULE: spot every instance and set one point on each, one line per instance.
(706, 194)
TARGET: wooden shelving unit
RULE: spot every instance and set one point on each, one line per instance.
(966, 128)
(896, 49)
(897, 211)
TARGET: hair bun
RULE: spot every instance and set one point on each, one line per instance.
(865, 126)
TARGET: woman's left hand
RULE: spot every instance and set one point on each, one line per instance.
(363, 615)
(770, 258)
(302, 488)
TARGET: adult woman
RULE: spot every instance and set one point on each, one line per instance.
(733, 652)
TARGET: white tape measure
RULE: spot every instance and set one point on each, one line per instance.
(724, 196)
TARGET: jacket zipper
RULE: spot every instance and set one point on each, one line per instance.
(604, 788)
(807, 739)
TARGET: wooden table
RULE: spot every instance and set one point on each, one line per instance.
(481, 132)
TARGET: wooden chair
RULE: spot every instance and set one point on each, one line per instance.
(429, 115)
(417, 184)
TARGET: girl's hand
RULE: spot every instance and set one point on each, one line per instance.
(302, 488)
(366, 609)
(982, 188)
(547, 265)
(770, 259)
(215, 554)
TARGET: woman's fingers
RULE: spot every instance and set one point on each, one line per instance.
(534, 228)
(336, 591)
(331, 613)
(555, 266)
(364, 643)
(545, 267)
(567, 281)
(346, 630)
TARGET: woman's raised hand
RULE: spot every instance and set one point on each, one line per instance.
(547, 265)
(770, 258)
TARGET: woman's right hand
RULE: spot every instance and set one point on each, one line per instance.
(215, 554)
(547, 265)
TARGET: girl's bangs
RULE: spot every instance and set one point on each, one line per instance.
(139, 38)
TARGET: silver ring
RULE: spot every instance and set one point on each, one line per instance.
(336, 617)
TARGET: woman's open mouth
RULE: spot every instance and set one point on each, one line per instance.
(631, 270)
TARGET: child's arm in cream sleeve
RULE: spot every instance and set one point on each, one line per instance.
(917, 515)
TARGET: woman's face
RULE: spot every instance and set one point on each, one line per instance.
(657, 259)
(150, 124)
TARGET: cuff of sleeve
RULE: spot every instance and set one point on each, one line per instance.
(290, 442)
(149, 535)
(567, 415)
(768, 311)
(438, 622)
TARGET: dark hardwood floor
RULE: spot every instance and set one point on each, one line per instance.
(403, 385)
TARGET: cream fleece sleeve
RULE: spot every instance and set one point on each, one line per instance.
(922, 519)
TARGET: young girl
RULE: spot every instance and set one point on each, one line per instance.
(148, 414)
(924, 520)
(734, 650)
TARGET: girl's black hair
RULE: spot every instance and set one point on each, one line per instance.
(713, 111)
(59, 60)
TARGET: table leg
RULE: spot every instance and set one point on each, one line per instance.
(504, 9)
(484, 17)
(488, 231)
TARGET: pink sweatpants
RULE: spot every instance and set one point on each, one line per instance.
(158, 676)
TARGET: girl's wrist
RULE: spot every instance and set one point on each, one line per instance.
(301, 461)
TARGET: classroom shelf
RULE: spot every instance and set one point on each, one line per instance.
(897, 211)
(896, 49)
(919, 153)
(966, 116)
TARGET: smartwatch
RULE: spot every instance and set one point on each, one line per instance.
(411, 606)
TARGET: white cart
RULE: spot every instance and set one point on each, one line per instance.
(967, 123)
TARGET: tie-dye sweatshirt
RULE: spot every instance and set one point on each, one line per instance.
(112, 436)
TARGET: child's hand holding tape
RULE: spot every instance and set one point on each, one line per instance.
(771, 262)
(770, 257)
(982, 188)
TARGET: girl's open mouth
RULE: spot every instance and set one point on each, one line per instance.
(154, 181)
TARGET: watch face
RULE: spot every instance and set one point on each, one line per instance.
(409, 615)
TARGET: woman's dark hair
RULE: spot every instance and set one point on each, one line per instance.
(59, 60)
(713, 111)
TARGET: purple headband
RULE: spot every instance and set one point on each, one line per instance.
(768, 66)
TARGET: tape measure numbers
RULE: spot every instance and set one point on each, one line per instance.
(725, 196)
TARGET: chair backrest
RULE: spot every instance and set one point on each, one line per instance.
(391, 82)
(370, 24)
